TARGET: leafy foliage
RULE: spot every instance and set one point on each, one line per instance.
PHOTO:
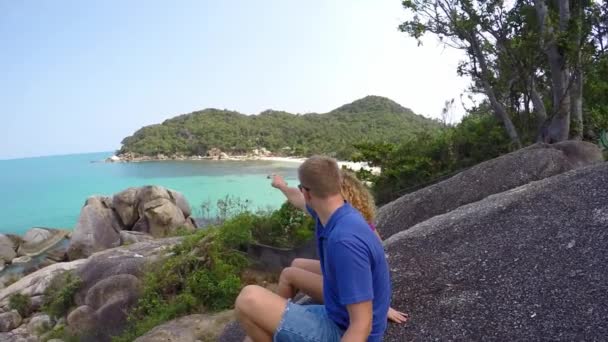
(61, 332)
(204, 272)
(201, 275)
(372, 118)
(430, 157)
(536, 61)
(59, 296)
(21, 303)
(286, 227)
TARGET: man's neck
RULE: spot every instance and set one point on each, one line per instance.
(328, 207)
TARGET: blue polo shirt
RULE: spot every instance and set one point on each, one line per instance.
(354, 268)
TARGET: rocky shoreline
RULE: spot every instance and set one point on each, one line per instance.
(218, 155)
(212, 154)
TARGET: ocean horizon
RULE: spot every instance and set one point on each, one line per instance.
(50, 191)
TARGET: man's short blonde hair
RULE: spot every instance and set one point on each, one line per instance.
(321, 176)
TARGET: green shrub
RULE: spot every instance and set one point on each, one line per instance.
(59, 296)
(286, 227)
(431, 156)
(21, 303)
(60, 332)
(201, 275)
(224, 209)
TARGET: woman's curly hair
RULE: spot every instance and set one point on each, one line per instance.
(358, 195)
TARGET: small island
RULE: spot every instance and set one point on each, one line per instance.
(215, 134)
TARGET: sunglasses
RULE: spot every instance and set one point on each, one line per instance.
(300, 186)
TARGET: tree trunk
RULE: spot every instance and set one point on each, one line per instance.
(559, 126)
(499, 110)
(539, 109)
(576, 90)
(577, 105)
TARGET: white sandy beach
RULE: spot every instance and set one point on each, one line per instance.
(355, 166)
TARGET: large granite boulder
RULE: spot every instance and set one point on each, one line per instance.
(7, 249)
(39, 324)
(123, 219)
(111, 285)
(533, 163)
(9, 321)
(131, 259)
(528, 264)
(125, 203)
(189, 328)
(162, 211)
(128, 237)
(163, 217)
(34, 284)
(98, 228)
(150, 193)
(106, 306)
(39, 240)
(82, 320)
(181, 202)
(112, 289)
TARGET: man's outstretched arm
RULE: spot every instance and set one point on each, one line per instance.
(360, 316)
(294, 195)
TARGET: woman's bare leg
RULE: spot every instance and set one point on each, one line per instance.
(310, 265)
(293, 279)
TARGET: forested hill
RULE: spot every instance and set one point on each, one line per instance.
(371, 119)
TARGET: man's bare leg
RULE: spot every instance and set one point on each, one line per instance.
(256, 333)
(259, 311)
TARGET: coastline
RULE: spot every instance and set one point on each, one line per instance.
(355, 166)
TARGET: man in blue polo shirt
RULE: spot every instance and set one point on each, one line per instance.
(356, 282)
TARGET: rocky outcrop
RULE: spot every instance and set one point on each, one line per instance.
(40, 240)
(163, 217)
(181, 202)
(7, 249)
(111, 286)
(161, 212)
(106, 306)
(82, 320)
(189, 328)
(528, 264)
(125, 205)
(494, 176)
(112, 289)
(128, 217)
(131, 259)
(39, 324)
(127, 237)
(34, 284)
(9, 321)
(97, 229)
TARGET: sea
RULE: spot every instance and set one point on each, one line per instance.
(50, 191)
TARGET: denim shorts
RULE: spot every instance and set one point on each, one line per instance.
(306, 323)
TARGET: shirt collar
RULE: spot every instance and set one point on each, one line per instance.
(333, 219)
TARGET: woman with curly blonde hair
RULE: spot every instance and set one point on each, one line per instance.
(305, 274)
(358, 195)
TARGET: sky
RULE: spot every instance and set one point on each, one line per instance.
(79, 76)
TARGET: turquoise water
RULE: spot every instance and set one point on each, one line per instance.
(50, 191)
